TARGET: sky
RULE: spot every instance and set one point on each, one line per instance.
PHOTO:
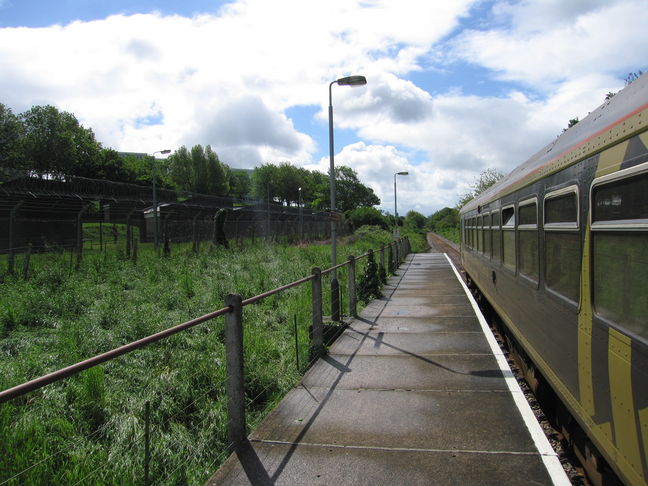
(454, 87)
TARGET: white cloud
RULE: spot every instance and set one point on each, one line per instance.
(550, 42)
(116, 71)
(426, 188)
(147, 82)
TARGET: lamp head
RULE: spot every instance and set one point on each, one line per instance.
(352, 81)
(403, 173)
(165, 151)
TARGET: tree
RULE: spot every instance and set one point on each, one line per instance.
(573, 122)
(198, 170)
(55, 143)
(486, 179)
(443, 219)
(366, 216)
(265, 182)
(351, 193)
(414, 219)
(11, 133)
(240, 183)
(631, 77)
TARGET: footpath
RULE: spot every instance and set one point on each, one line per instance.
(412, 393)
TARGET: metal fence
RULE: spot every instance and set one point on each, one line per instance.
(77, 214)
(388, 258)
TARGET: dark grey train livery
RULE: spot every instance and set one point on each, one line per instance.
(559, 248)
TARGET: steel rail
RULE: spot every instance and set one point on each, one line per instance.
(68, 371)
(40, 382)
(264, 295)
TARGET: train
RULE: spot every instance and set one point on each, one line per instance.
(559, 251)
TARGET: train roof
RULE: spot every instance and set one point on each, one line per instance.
(617, 119)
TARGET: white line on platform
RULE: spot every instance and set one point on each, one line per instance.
(549, 456)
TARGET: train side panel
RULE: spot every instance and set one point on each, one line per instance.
(579, 309)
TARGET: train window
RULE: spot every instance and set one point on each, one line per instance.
(528, 213)
(620, 248)
(480, 234)
(508, 236)
(562, 243)
(561, 208)
(622, 200)
(472, 233)
(497, 236)
(528, 239)
(487, 235)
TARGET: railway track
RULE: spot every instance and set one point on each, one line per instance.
(517, 363)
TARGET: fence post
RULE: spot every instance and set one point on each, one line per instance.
(352, 287)
(79, 241)
(12, 221)
(26, 261)
(235, 387)
(147, 442)
(129, 232)
(317, 331)
(166, 251)
(396, 255)
(194, 228)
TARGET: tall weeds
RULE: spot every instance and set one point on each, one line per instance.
(89, 429)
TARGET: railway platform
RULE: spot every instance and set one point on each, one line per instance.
(414, 392)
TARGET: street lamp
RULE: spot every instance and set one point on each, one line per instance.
(155, 204)
(301, 217)
(396, 233)
(335, 286)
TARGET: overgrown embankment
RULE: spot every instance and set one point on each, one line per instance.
(89, 429)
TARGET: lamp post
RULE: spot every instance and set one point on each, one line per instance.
(155, 204)
(335, 286)
(396, 232)
(301, 217)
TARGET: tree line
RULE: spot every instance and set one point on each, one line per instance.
(50, 143)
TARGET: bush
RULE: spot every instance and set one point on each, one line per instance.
(366, 216)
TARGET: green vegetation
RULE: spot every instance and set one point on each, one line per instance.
(52, 144)
(445, 222)
(89, 429)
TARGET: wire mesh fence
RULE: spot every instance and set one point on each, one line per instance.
(157, 415)
(80, 215)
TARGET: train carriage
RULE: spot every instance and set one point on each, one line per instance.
(559, 248)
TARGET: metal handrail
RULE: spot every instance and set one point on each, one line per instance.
(68, 371)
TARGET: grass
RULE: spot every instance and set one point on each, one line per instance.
(89, 429)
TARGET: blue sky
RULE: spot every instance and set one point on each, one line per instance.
(453, 88)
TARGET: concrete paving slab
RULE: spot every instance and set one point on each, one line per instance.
(400, 298)
(389, 309)
(438, 288)
(389, 343)
(416, 324)
(447, 373)
(409, 394)
(446, 420)
(276, 464)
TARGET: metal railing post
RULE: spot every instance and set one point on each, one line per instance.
(12, 233)
(194, 236)
(79, 239)
(352, 287)
(317, 333)
(396, 254)
(129, 233)
(335, 299)
(235, 384)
